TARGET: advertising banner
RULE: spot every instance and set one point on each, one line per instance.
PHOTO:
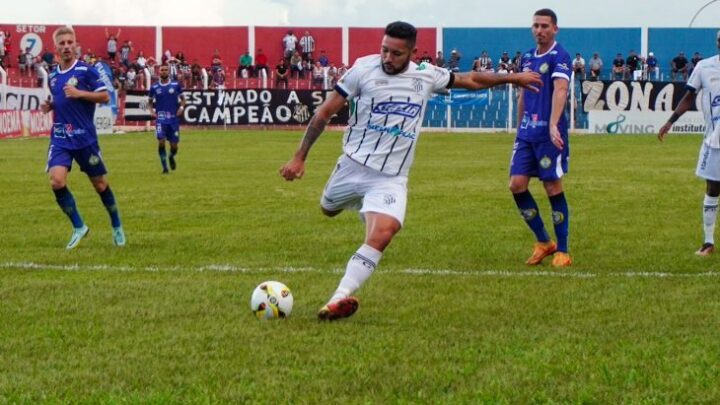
(240, 107)
(643, 122)
(607, 95)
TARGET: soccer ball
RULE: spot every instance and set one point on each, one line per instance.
(270, 300)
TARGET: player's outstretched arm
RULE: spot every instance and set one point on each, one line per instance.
(295, 168)
(482, 80)
(684, 105)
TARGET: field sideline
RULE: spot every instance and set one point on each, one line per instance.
(452, 315)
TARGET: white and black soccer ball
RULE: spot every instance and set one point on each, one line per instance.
(271, 300)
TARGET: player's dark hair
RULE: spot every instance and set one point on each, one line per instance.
(546, 12)
(402, 30)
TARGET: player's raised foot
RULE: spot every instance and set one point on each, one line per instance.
(77, 235)
(706, 250)
(118, 236)
(341, 308)
(561, 259)
(173, 165)
(541, 250)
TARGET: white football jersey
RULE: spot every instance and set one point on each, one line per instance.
(706, 77)
(388, 111)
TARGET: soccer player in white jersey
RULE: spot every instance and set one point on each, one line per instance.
(390, 94)
(706, 77)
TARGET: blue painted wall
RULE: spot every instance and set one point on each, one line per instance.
(470, 42)
(667, 42)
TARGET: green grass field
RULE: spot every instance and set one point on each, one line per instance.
(452, 315)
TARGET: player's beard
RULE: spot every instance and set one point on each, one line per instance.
(394, 71)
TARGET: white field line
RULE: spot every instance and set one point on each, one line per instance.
(410, 272)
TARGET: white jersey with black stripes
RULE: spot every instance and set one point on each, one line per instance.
(387, 112)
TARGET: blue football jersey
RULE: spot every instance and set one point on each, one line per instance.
(73, 119)
(534, 126)
(166, 99)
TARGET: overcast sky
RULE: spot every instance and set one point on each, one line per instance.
(357, 13)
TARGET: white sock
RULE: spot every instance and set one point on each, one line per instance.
(710, 206)
(358, 270)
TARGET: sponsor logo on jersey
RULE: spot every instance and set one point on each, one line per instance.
(545, 162)
(553, 52)
(410, 110)
(393, 131)
(381, 82)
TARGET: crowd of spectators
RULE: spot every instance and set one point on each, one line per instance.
(301, 62)
(634, 67)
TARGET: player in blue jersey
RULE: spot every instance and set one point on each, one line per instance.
(76, 87)
(541, 147)
(166, 105)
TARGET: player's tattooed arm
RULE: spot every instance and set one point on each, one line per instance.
(312, 133)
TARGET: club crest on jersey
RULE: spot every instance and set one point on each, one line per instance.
(171, 91)
(545, 162)
(409, 110)
(417, 85)
(544, 68)
(73, 81)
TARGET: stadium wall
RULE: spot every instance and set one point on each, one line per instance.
(470, 42)
(665, 43)
(200, 43)
(366, 41)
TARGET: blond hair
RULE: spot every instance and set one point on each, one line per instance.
(63, 31)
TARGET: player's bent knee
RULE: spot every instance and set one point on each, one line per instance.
(57, 183)
(99, 183)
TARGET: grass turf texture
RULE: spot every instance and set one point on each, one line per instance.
(166, 319)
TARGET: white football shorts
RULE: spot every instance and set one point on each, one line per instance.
(354, 186)
(708, 166)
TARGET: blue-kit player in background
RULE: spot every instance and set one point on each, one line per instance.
(167, 103)
(76, 87)
(541, 147)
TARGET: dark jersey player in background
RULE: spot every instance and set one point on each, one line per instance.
(541, 148)
(166, 105)
(76, 87)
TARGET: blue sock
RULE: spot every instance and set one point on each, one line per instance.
(561, 219)
(66, 202)
(108, 199)
(529, 211)
(163, 155)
